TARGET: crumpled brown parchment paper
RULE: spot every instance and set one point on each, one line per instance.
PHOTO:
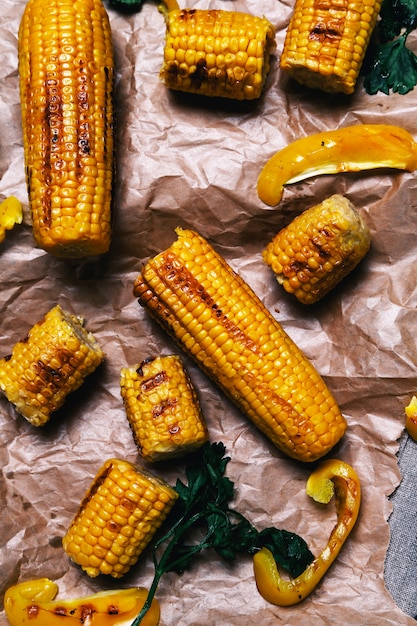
(194, 163)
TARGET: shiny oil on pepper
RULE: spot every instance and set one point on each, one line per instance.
(33, 603)
(348, 149)
(332, 477)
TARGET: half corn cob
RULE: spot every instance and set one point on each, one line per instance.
(215, 316)
(326, 42)
(162, 408)
(217, 53)
(66, 87)
(318, 249)
(51, 362)
(119, 515)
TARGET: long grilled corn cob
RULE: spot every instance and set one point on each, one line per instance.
(215, 316)
(51, 362)
(66, 88)
(162, 408)
(318, 249)
(325, 43)
(217, 53)
(119, 515)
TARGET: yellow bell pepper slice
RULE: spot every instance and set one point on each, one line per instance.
(11, 213)
(411, 418)
(348, 149)
(332, 477)
(33, 603)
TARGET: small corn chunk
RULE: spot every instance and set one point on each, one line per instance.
(66, 88)
(318, 249)
(11, 213)
(120, 513)
(217, 53)
(326, 42)
(51, 362)
(162, 408)
(216, 317)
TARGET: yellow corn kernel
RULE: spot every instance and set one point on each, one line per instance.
(325, 43)
(216, 317)
(162, 408)
(138, 503)
(318, 249)
(234, 53)
(66, 72)
(51, 362)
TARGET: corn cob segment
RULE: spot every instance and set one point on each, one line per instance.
(215, 316)
(120, 513)
(162, 408)
(217, 53)
(51, 362)
(326, 42)
(66, 88)
(318, 249)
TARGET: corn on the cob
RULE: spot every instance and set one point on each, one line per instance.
(318, 249)
(325, 43)
(51, 362)
(217, 53)
(116, 520)
(215, 316)
(66, 87)
(162, 408)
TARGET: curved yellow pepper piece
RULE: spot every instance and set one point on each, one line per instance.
(411, 418)
(11, 213)
(349, 149)
(32, 603)
(332, 477)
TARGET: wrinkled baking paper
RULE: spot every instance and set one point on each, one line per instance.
(184, 161)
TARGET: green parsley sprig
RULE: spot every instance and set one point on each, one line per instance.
(390, 65)
(203, 508)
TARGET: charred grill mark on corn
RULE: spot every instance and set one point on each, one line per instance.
(49, 363)
(66, 83)
(313, 253)
(326, 41)
(120, 513)
(162, 408)
(217, 53)
(215, 316)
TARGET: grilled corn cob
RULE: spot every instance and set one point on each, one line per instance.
(66, 87)
(325, 43)
(318, 249)
(215, 316)
(217, 53)
(51, 362)
(162, 408)
(120, 513)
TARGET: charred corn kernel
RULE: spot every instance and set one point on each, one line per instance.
(348, 149)
(11, 213)
(128, 504)
(216, 317)
(51, 362)
(162, 408)
(33, 602)
(411, 418)
(66, 87)
(217, 53)
(325, 43)
(318, 249)
(331, 478)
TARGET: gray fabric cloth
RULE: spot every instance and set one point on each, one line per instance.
(401, 559)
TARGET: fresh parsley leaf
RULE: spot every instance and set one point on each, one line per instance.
(126, 5)
(393, 68)
(396, 16)
(202, 518)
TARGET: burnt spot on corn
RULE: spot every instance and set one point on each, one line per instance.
(167, 405)
(155, 381)
(145, 362)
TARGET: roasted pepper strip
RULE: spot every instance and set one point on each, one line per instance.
(411, 418)
(11, 213)
(332, 477)
(32, 603)
(349, 149)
